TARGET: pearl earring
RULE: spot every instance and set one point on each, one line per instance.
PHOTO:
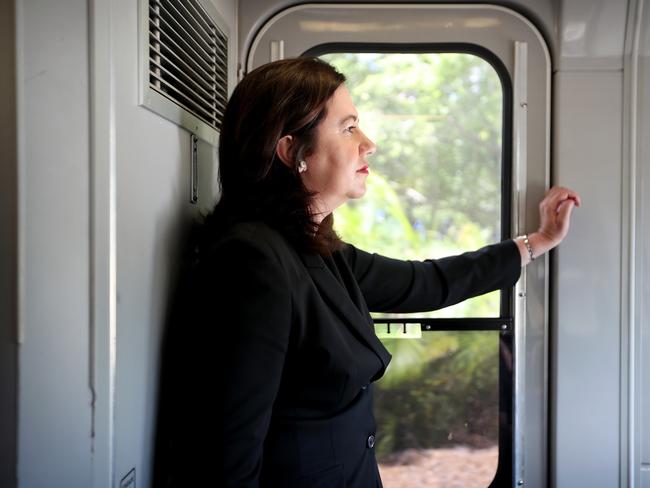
(302, 166)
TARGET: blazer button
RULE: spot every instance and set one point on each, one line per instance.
(371, 441)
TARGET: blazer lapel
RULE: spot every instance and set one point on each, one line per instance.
(356, 316)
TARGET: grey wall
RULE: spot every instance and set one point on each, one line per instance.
(54, 400)
(152, 217)
(586, 288)
(97, 172)
(589, 323)
(641, 348)
(8, 247)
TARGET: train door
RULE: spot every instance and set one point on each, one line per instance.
(458, 96)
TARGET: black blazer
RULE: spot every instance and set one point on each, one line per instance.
(284, 341)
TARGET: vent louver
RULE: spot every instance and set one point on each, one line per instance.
(187, 60)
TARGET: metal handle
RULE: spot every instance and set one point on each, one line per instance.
(194, 169)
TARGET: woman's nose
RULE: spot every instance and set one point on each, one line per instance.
(368, 147)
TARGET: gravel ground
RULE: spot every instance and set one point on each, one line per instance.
(459, 467)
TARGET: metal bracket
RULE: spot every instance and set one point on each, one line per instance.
(277, 50)
(398, 331)
(194, 169)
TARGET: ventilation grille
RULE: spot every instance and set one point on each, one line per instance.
(188, 58)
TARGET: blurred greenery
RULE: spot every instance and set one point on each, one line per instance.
(450, 397)
(434, 190)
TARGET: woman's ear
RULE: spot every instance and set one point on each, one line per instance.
(283, 150)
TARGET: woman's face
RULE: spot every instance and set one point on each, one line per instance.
(337, 168)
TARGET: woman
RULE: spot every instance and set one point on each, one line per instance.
(277, 313)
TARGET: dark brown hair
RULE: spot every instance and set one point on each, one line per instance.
(281, 98)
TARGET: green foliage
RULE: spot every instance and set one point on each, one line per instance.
(453, 397)
(434, 190)
(436, 119)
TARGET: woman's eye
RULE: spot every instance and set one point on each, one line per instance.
(350, 128)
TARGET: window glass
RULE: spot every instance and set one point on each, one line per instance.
(434, 190)
(437, 408)
(434, 187)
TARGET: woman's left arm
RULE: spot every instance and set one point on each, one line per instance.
(392, 285)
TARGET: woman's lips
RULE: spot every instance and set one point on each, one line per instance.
(363, 169)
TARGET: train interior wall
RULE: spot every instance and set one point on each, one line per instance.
(103, 205)
(95, 203)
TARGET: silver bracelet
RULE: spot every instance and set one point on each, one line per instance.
(528, 246)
